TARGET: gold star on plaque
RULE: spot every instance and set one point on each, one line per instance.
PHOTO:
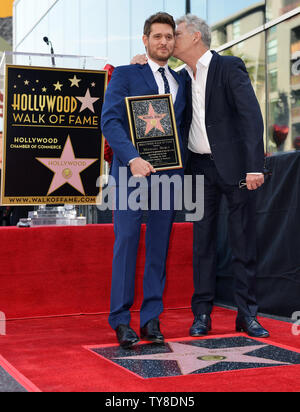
(58, 86)
(26, 82)
(93, 84)
(44, 89)
(75, 81)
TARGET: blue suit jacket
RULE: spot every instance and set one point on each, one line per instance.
(126, 81)
(233, 119)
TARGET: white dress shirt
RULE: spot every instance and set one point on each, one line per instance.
(198, 140)
(159, 79)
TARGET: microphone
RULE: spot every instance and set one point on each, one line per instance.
(49, 43)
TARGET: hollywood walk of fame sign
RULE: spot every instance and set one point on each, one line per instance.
(198, 356)
(53, 143)
(153, 130)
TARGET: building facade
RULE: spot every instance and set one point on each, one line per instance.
(266, 34)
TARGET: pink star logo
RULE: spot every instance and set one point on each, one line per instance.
(87, 101)
(67, 169)
(153, 120)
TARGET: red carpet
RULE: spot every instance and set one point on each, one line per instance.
(46, 273)
(67, 270)
(51, 354)
(17, 377)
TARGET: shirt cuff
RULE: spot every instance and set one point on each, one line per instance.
(130, 161)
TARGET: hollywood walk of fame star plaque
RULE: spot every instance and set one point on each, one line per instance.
(153, 130)
(198, 356)
(53, 143)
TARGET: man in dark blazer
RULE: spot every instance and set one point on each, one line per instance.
(225, 144)
(151, 79)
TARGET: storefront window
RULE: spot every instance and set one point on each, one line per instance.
(272, 50)
(118, 36)
(252, 52)
(284, 87)
(28, 13)
(93, 28)
(273, 80)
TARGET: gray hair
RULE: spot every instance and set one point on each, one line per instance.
(196, 24)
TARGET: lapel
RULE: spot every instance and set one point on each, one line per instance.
(180, 85)
(210, 78)
(188, 88)
(149, 78)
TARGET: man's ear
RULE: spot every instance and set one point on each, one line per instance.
(197, 37)
(145, 40)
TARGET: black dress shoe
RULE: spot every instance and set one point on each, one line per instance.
(151, 332)
(252, 327)
(126, 336)
(201, 326)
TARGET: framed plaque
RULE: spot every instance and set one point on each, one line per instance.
(153, 130)
(53, 143)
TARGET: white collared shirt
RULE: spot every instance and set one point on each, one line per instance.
(159, 80)
(198, 140)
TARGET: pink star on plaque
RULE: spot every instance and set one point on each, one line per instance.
(153, 120)
(67, 168)
(87, 101)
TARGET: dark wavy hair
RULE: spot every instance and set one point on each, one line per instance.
(163, 18)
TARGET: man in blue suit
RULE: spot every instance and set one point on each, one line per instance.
(225, 144)
(151, 79)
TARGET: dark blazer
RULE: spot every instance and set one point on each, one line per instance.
(133, 80)
(234, 121)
